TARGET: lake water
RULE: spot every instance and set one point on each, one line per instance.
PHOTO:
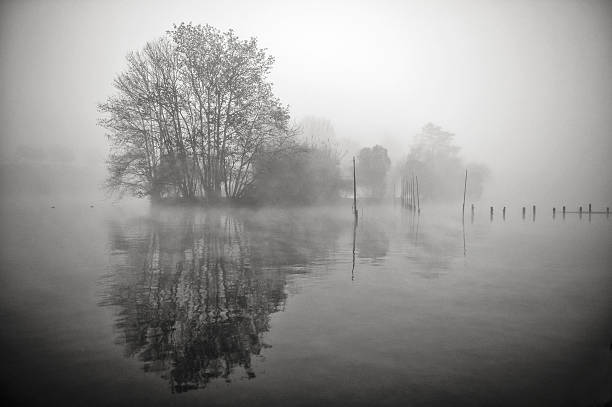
(124, 304)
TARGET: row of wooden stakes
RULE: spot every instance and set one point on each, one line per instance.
(409, 193)
(554, 211)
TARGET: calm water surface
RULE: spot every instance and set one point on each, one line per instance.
(128, 304)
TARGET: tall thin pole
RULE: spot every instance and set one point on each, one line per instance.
(418, 198)
(405, 192)
(463, 214)
(354, 236)
(354, 188)
(464, 189)
(414, 203)
(412, 190)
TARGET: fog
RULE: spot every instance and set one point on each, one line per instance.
(525, 86)
(304, 243)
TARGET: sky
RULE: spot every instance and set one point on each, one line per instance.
(526, 86)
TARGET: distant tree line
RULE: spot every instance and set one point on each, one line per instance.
(435, 159)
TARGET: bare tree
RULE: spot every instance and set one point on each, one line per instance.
(192, 112)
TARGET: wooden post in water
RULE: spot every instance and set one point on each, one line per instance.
(405, 191)
(418, 197)
(554, 211)
(409, 181)
(464, 189)
(523, 212)
(504, 213)
(534, 212)
(607, 211)
(411, 189)
(491, 213)
(412, 193)
(355, 190)
(589, 209)
(580, 212)
(408, 197)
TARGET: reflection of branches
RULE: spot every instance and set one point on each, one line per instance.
(195, 293)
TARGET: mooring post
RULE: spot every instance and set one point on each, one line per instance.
(554, 211)
(418, 197)
(413, 195)
(523, 212)
(464, 190)
(607, 211)
(580, 211)
(504, 213)
(589, 209)
(409, 200)
(491, 213)
(355, 190)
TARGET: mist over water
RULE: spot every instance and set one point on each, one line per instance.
(136, 304)
(244, 275)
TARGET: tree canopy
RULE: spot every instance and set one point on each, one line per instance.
(192, 113)
(372, 167)
(307, 173)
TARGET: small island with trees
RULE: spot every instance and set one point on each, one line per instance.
(194, 118)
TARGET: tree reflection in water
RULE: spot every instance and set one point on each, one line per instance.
(194, 290)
